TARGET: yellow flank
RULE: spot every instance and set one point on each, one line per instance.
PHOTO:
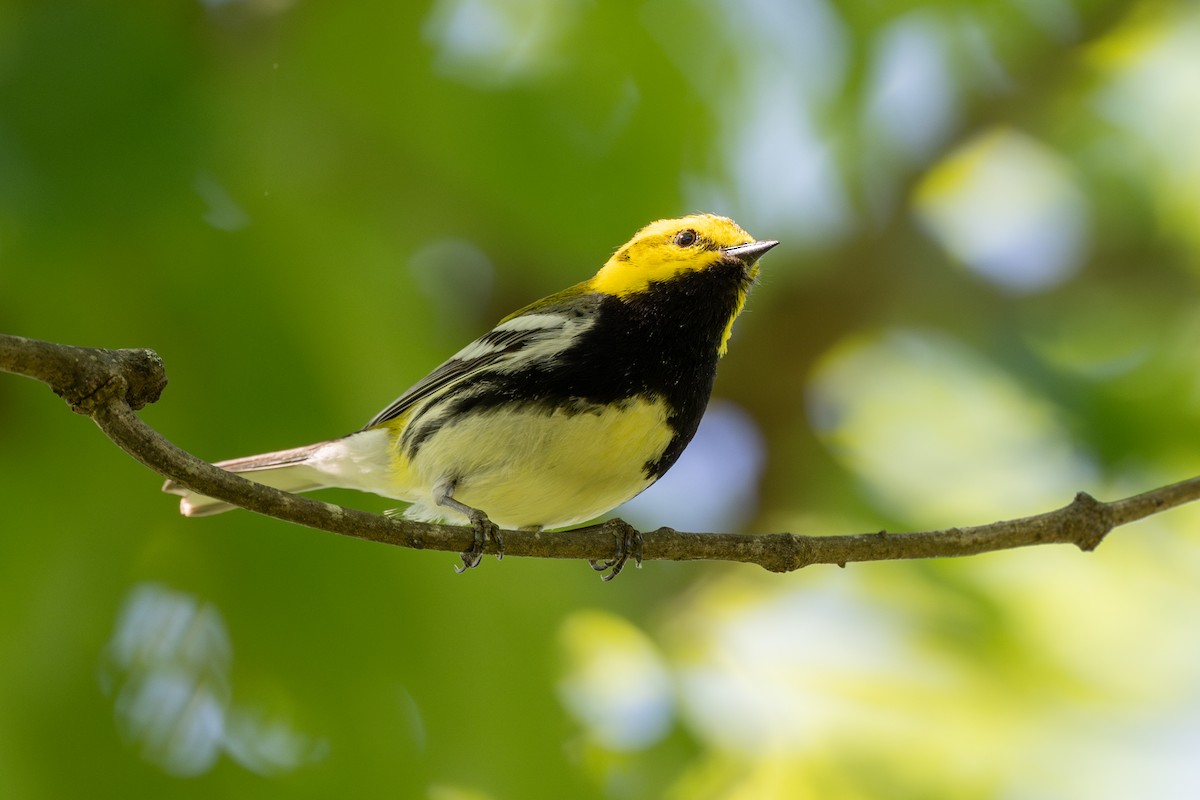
(652, 255)
(530, 466)
(741, 303)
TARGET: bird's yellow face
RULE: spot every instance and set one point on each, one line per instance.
(666, 249)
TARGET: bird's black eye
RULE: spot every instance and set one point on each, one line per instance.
(686, 238)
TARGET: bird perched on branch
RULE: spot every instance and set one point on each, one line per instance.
(563, 411)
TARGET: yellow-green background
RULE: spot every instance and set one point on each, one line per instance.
(985, 299)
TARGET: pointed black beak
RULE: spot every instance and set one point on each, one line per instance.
(750, 252)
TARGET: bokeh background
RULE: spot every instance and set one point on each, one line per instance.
(985, 300)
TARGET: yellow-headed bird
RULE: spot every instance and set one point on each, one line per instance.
(563, 411)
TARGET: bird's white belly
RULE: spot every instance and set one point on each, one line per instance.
(531, 466)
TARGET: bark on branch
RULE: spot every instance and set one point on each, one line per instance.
(109, 385)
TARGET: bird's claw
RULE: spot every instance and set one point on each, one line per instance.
(629, 543)
(484, 529)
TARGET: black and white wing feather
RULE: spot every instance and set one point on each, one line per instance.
(515, 342)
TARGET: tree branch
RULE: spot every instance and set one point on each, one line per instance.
(109, 385)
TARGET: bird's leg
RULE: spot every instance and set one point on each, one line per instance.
(629, 543)
(484, 528)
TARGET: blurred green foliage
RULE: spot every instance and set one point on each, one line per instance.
(985, 299)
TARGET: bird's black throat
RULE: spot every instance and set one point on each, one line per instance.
(658, 344)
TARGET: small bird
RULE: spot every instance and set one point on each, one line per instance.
(563, 411)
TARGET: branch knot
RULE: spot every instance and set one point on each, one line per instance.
(136, 377)
(1088, 521)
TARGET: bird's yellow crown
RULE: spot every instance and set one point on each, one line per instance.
(665, 249)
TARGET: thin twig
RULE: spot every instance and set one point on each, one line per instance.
(109, 385)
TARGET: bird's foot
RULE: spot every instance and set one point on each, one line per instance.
(484, 529)
(629, 543)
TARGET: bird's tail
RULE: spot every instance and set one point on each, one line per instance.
(288, 470)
